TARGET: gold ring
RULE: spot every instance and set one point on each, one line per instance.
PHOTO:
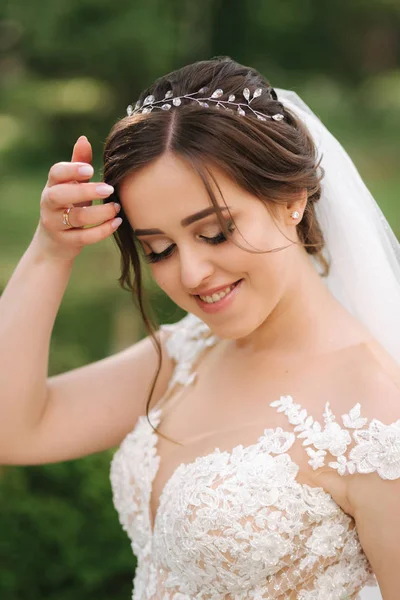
(66, 216)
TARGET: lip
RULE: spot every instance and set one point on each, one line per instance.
(222, 304)
(215, 290)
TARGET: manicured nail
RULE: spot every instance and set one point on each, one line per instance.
(116, 222)
(86, 170)
(103, 189)
(117, 207)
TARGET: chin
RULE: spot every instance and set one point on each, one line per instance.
(233, 328)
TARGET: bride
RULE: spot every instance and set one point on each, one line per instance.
(260, 436)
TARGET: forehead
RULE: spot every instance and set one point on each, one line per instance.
(170, 188)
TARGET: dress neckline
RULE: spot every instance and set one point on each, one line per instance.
(156, 413)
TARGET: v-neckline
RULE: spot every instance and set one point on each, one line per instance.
(152, 519)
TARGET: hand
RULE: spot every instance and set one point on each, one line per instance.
(68, 186)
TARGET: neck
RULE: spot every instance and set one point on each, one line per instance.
(303, 321)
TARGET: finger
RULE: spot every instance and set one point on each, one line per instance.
(82, 151)
(86, 237)
(65, 194)
(64, 172)
(90, 215)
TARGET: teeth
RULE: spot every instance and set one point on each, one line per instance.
(216, 297)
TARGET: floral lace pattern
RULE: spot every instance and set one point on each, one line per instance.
(185, 345)
(238, 525)
(376, 448)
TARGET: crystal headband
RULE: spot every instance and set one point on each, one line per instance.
(169, 100)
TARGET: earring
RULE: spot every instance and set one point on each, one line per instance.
(295, 215)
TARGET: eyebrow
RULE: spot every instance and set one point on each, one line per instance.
(185, 222)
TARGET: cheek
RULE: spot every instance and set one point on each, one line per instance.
(268, 272)
(266, 267)
(165, 277)
(254, 255)
(264, 235)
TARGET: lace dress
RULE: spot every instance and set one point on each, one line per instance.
(239, 525)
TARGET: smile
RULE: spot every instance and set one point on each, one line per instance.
(218, 296)
(218, 300)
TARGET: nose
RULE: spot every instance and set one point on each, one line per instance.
(196, 268)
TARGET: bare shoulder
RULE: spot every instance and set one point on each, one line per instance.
(363, 373)
(355, 446)
(371, 416)
(378, 375)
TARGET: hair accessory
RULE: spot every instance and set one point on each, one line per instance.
(66, 216)
(169, 100)
(295, 215)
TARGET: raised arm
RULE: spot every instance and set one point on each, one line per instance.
(88, 409)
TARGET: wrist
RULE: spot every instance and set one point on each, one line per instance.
(42, 252)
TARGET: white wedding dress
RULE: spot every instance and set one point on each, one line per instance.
(238, 524)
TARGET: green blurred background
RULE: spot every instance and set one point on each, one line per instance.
(70, 67)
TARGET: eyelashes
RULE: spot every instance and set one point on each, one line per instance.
(154, 257)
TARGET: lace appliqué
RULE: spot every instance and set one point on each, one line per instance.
(185, 345)
(337, 582)
(133, 468)
(377, 448)
(236, 524)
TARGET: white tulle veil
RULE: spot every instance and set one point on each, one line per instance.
(360, 245)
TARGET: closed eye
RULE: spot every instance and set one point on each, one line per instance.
(153, 257)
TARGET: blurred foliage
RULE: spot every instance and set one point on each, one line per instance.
(70, 67)
(59, 539)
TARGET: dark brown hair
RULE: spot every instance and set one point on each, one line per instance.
(272, 160)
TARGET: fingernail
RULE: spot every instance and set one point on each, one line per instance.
(117, 207)
(103, 189)
(116, 222)
(86, 170)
